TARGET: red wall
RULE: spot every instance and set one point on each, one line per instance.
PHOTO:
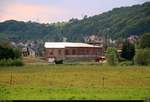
(74, 51)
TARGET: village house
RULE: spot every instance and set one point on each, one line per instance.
(93, 39)
(133, 39)
(69, 50)
(25, 52)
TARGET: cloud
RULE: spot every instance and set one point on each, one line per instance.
(19, 11)
(57, 10)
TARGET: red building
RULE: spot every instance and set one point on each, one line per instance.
(68, 50)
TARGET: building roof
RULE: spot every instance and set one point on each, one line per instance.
(66, 44)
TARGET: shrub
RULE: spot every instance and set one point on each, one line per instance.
(122, 59)
(58, 61)
(3, 62)
(126, 63)
(145, 41)
(17, 62)
(142, 57)
(10, 62)
(112, 56)
(17, 53)
(9, 52)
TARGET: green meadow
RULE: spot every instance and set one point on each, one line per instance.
(74, 82)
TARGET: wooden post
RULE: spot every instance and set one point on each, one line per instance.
(11, 79)
(103, 79)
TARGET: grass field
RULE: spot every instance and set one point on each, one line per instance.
(70, 82)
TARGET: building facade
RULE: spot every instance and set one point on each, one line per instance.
(67, 50)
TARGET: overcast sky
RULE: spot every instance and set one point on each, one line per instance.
(49, 11)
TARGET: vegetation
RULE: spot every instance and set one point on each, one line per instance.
(9, 56)
(10, 62)
(112, 56)
(82, 81)
(142, 57)
(70, 82)
(145, 41)
(128, 51)
(8, 51)
(126, 63)
(120, 22)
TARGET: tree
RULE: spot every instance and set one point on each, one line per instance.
(142, 56)
(85, 17)
(8, 52)
(128, 50)
(145, 41)
(112, 56)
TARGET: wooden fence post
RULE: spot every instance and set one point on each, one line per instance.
(11, 79)
(103, 83)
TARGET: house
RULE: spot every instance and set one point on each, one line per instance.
(70, 50)
(133, 39)
(94, 39)
(25, 52)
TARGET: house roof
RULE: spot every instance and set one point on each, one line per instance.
(66, 44)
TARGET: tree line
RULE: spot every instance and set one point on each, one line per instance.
(119, 22)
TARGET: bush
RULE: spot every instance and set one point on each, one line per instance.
(17, 53)
(145, 41)
(58, 61)
(10, 52)
(10, 62)
(126, 63)
(122, 59)
(142, 57)
(3, 62)
(112, 56)
(17, 62)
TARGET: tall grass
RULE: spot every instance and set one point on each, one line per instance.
(73, 82)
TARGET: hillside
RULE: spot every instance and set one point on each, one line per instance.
(119, 22)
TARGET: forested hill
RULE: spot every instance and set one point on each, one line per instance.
(119, 22)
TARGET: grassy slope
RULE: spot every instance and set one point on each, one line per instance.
(74, 82)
